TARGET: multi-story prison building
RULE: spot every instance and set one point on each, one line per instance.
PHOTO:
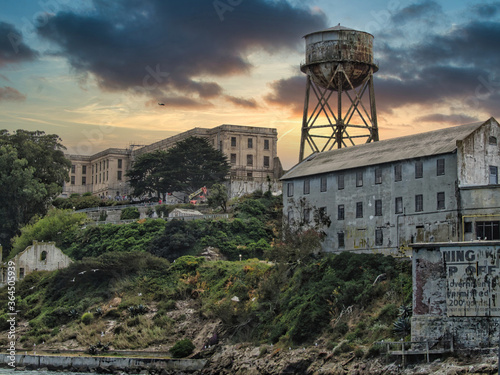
(251, 152)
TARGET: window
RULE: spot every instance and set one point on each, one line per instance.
(233, 141)
(92, 169)
(250, 142)
(378, 175)
(249, 174)
(84, 169)
(107, 164)
(488, 230)
(322, 184)
(493, 140)
(107, 175)
(341, 239)
(440, 201)
(307, 215)
(289, 191)
(398, 172)
(419, 203)
(119, 163)
(419, 169)
(73, 167)
(378, 207)
(399, 205)
(21, 273)
(359, 209)
(72, 180)
(266, 161)
(340, 212)
(340, 181)
(84, 180)
(266, 144)
(100, 166)
(119, 176)
(43, 256)
(92, 179)
(100, 177)
(307, 186)
(468, 227)
(359, 179)
(233, 158)
(249, 160)
(493, 175)
(379, 237)
(440, 167)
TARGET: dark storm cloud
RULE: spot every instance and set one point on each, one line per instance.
(12, 47)
(156, 46)
(425, 10)
(486, 10)
(8, 93)
(242, 102)
(288, 92)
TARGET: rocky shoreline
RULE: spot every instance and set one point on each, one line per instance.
(263, 360)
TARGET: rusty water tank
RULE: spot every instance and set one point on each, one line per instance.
(326, 49)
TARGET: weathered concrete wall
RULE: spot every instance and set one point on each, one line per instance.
(456, 293)
(237, 188)
(41, 256)
(91, 364)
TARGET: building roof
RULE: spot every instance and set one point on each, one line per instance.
(435, 142)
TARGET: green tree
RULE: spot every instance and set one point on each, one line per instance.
(38, 159)
(194, 163)
(149, 175)
(218, 197)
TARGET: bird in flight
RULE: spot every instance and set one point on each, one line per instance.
(161, 103)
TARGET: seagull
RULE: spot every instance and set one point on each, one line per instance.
(33, 287)
(73, 280)
(140, 294)
(95, 269)
(81, 273)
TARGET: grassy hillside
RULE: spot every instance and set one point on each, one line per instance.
(141, 286)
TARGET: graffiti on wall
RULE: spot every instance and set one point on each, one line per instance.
(472, 278)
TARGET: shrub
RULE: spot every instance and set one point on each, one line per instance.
(182, 348)
(130, 213)
(87, 318)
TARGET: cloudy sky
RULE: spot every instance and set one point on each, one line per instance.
(94, 71)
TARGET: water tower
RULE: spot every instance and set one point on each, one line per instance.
(338, 60)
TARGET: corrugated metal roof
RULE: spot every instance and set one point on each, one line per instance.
(412, 146)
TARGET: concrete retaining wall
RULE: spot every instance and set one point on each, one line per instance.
(90, 364)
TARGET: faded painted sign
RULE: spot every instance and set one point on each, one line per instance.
(472, 277)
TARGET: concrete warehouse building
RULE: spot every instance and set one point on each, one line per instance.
(438, 186)
(251, 151)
